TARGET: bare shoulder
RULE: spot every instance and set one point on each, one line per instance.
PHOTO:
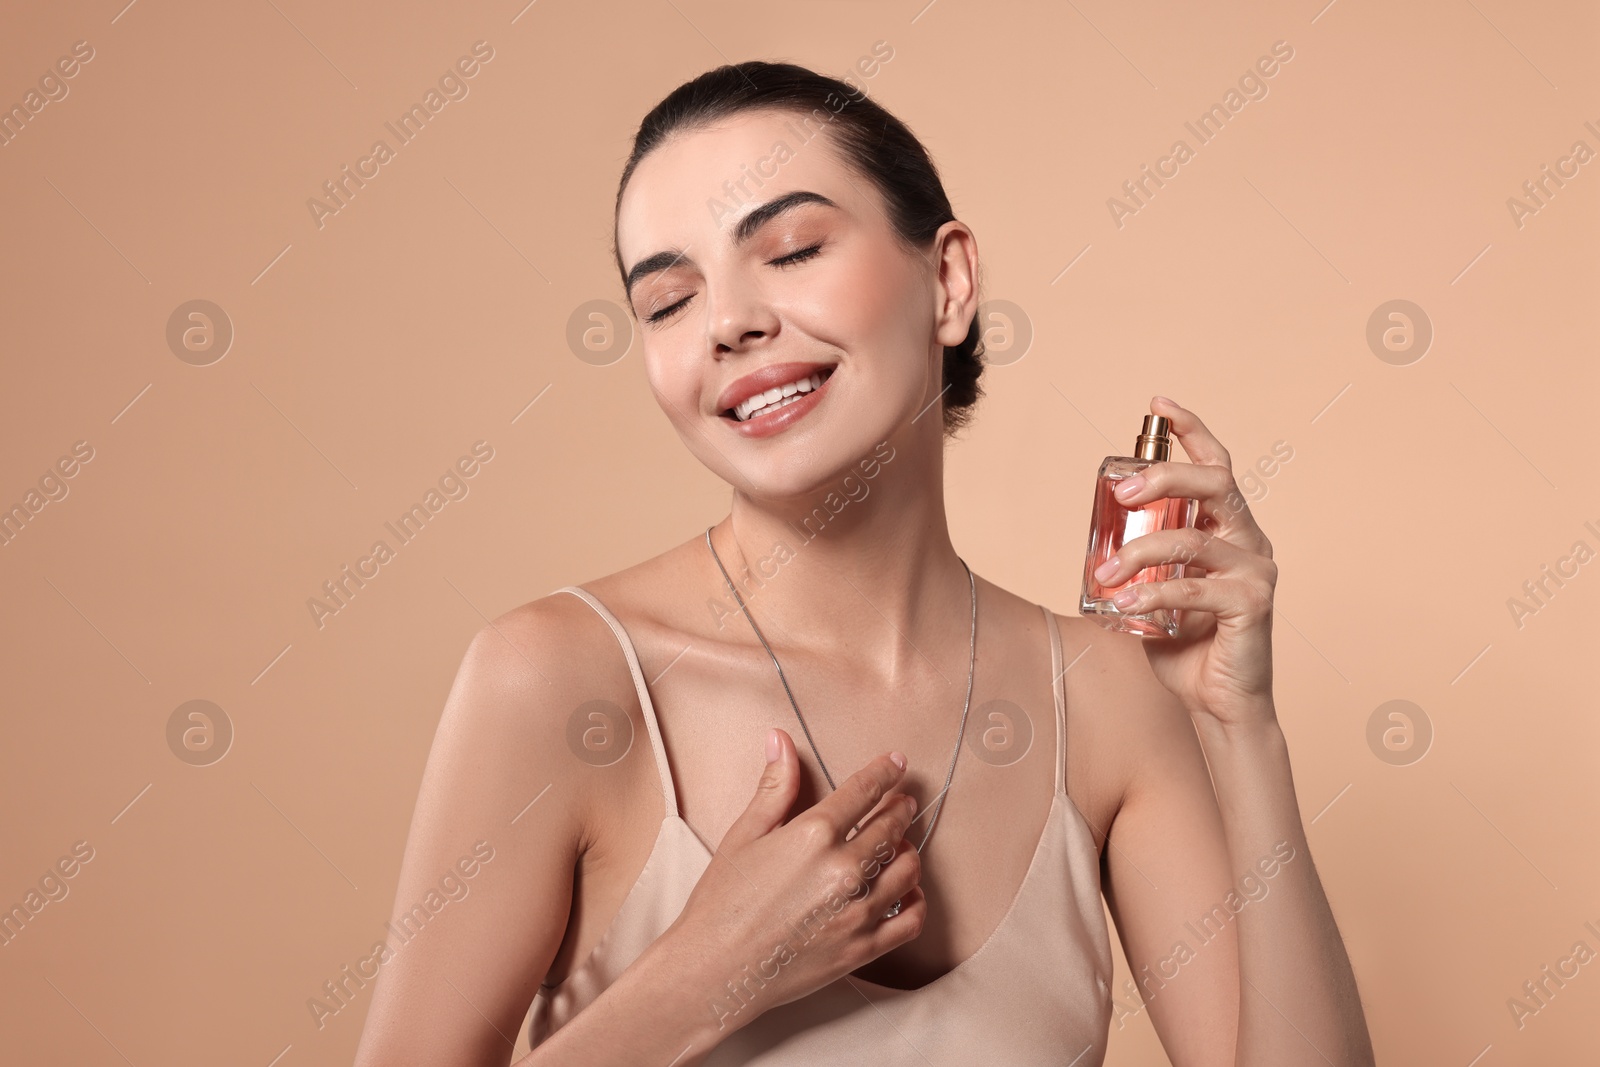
(552, 671)
(559, 657)
(572, 633)
(1119, 717)
(507, 802)
(532, 654)
(522, 684)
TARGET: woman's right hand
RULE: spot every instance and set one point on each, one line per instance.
(785, 908)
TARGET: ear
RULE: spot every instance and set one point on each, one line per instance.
(955, 253)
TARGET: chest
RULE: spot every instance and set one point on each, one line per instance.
(714, 711)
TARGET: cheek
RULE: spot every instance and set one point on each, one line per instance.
(868, 307)
(670, 376)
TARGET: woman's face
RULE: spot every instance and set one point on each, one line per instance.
(724, 290)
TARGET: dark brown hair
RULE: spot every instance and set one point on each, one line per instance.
(870, 140)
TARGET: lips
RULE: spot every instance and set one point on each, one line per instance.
(778, 397)
(773, 376)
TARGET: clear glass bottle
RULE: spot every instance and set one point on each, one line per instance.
(1112, 525)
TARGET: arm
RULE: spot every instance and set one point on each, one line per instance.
(1296, 993)
(1298, 1001)
(1232, 944)
(485, 887)
(651, 1014)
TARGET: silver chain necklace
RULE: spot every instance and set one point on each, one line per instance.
(938, 803)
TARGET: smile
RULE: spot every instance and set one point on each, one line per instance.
(779, 396)
(775, 409)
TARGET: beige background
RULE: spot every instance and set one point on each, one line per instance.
(431, 311)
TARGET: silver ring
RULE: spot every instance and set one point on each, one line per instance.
(892, 912)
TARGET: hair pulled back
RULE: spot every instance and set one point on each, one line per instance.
(870, 140)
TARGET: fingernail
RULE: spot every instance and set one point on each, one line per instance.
(772, 745)
(1106, 569)
(899, 760)
(1164, 400)
(1129, 486)
(1126, 598)
(913, 801)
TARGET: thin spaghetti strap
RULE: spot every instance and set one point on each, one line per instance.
(667, 788)
(1058, 687)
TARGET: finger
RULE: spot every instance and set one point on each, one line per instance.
(890, 800)
(774, 796)
(1174, 478)
(1201, 552)
(870, 881)
(902, 873)
(1222, 507)
(1199, 443)
(894, 932)
(1231, 512)
(845, 807)
(896, 881)
(888, 824)
(1226, 598)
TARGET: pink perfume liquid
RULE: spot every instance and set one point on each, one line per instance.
(1112, 525)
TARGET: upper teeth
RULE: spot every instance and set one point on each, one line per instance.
(780, 395)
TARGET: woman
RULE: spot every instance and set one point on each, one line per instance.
(807, 304)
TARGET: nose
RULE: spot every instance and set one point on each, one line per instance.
(739, 314)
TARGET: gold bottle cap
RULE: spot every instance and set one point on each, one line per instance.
(1153, 442)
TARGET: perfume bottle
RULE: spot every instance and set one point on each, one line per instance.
(1112, 525)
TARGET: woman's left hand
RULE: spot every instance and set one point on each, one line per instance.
(1220, 664)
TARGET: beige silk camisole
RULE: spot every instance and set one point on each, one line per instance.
(1036, 993)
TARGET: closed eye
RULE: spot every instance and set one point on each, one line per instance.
(667, 312)
(783, 261)
(797, 257)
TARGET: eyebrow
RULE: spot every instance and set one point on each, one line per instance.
(743, 230)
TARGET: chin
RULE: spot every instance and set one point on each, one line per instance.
(833, 446)
(807, 471)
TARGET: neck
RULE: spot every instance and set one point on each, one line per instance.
(861, 569)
